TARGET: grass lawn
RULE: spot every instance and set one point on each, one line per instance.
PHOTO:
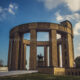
(38, 76)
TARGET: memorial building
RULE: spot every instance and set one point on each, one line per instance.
(51, 65)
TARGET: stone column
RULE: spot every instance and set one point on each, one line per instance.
(12, 55)
(21, 55)
(24, 57)
(70, 50)
(9, 55)
(15, 52)
(65, 60)
(33, 50)
(58, 53)
(53, 49)
(45, 56)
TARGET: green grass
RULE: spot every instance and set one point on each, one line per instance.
(38, 76)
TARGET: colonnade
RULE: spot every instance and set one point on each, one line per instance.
(17, 50)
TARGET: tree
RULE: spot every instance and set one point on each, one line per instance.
(77, 62)
(1, 63)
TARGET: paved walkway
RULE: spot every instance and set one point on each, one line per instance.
(11, 73)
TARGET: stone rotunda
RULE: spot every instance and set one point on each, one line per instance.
(17, 48)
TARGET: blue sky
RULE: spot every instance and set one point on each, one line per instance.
(16, 12)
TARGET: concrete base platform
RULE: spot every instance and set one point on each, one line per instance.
(11, 73)
(59, 71)
(50, 70)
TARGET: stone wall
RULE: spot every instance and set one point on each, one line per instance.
(60, 71)
(73, 71)
(45, 70)
(55, 71)
(3, 69)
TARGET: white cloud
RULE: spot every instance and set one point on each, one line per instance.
(1, 9)
(74, 16)
(5, 11)
(77, 29)
(58, 36)
(12, 8)
(2, 13)
(50, 4)
(11, 11)
(73, 5)
(59, 17)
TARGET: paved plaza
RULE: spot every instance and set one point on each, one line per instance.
(11, 73)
